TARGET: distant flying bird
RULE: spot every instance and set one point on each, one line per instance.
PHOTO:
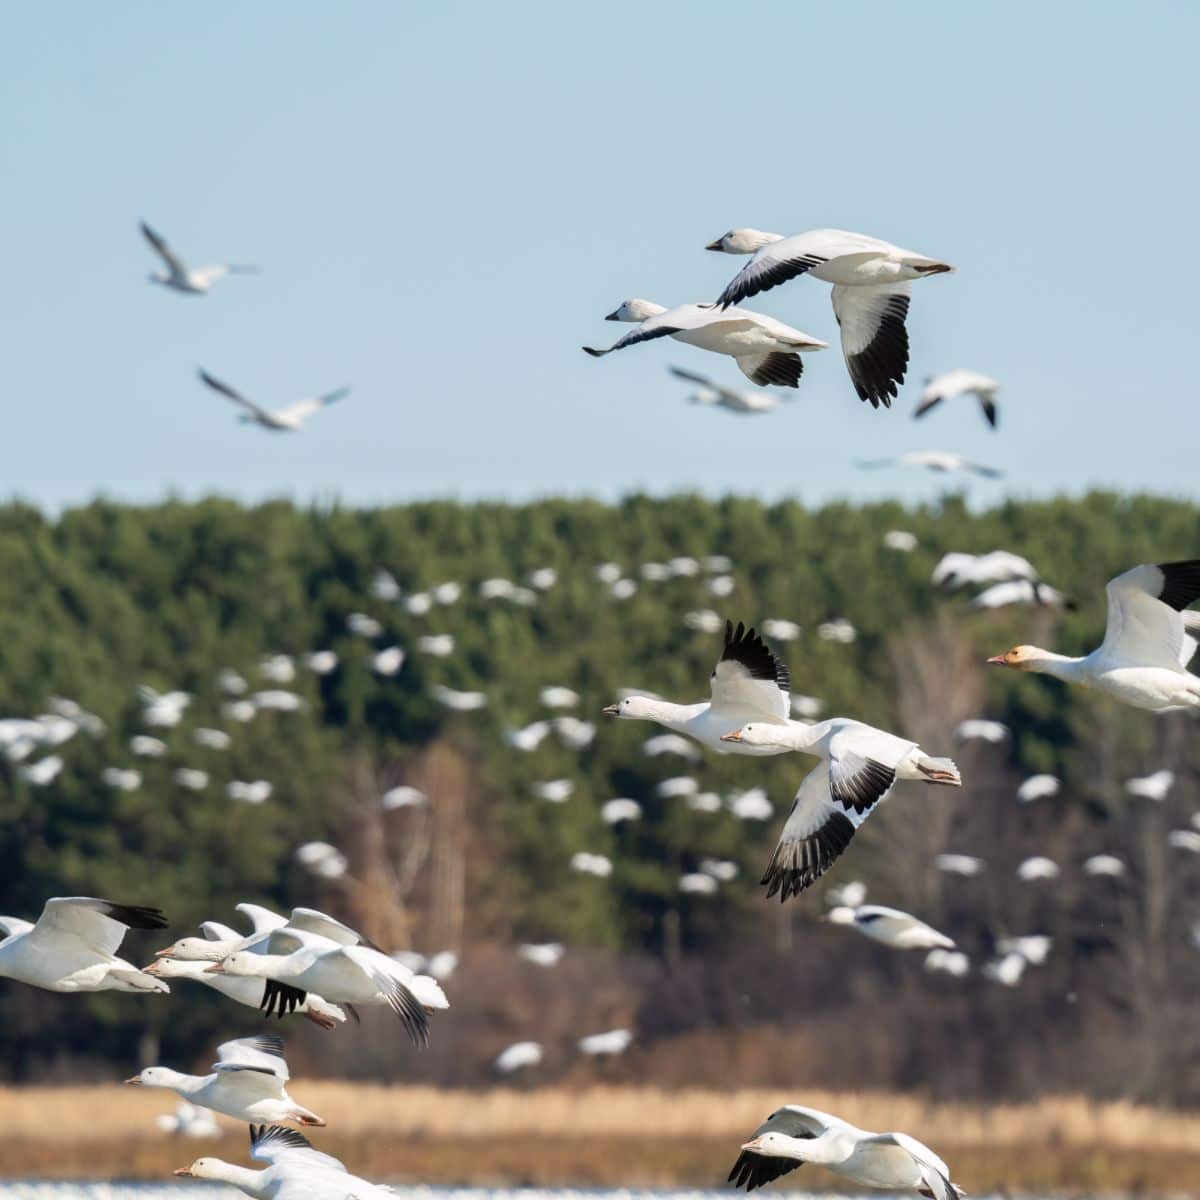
(1034, 948)
(613, 812)
(900, 539)
(518, 1056)
(697, 883)
(965, 865)
(1021, 591)
(1007, 969)
(541, 954)
(1038, 787)
(177, 275)
(290, 418)
(957, 570)
(870, 293)
(558, 697)
(781, 630)
(591, 864)
(615, 1041)
(979, 730)
(1037, 868)
(1143, 658)
(891, 926)
(765, 350)
(749, 683)
(1151, 787)
(794, 1135)
(188, 1121)
(952, 384)
(944, 461)
(952, 962)
(670, 743)
(1104, 865)
(714, 395)
(403, 797)
(73, 946)
(459, 701)
(43, 772)
(860, 766)
(247, 1082)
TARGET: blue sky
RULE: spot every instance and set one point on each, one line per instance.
(446, 200)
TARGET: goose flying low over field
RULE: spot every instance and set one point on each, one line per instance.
(870, 293)
(714, 395)
(861, 765)
(289, 419)
(765, 350)
(73, 947)
(794, 1135)
(749, 683)
(294, 1171)
(960, 383)
(932, 460)
(177, 275)
(246, 1082)
(890, 926)
(1143, 658)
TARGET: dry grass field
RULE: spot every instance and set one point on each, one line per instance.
(610, 1136)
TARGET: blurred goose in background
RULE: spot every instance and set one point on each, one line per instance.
(541, 954)
(188, 1121)
(749, 683)
(614, 1041)
(697, 883)
(459, 701)
(765, 350)
(558, 697)
(861, 765)
(518, 1056)
(977, 729)
(891, 926)
(403, 796)
(73, 946)
(613, 812)
(900, 539)
(591, 864)
(1034, 948)
(1021, 591)
(870, 293)
(290, 418)
(246, 1082)
(957, 570)
(965, 865)
(1142, 660)
(1038, 787)
(952, 384)
(944, 461)
(951, 962)
(714, 395)
(1104, 865)
(178, 277)
(1037, 868)
(1151, 787)
(794, 1135)
(670, 743)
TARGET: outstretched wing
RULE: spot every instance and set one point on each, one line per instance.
(753, 1170)
(263, 1054)
(173, 262)
(99, 924)
(276, 1145)
(306, 408)
(774, 264)
(640, 334)
(309, 920)
(750, 677)
(1145, 626)
(400, 997)
(231, 394)
(874, 338)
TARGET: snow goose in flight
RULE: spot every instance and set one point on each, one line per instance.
(1151, 787)
(459, 701)
(1142, 660)
(958, 570)
(861, 765)
(1021, 591)
(977, 729)
(900, 539)
(956, 383)
(73, 947)
(944, 461)
(749, 683)
(1038, 787)
(250, 992)
(890, 926)
(188, 1121)
(1104, 864)
(1034, 948)
(966, 865)
(1037, 868)
(765, 350)
(541, 954)
(951, 962)
(247, 1082)
(517, 1056)
(43, 772)
(294, 1170)
(794, 1135)
(870, 293)
(613, 1042)
(178, 277)
(290, 418)
(713, 395)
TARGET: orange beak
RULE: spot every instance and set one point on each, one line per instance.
(135, 1079)
(183, 1171)
(998, 661)
(732, 737)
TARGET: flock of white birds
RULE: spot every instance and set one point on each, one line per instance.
(311, 964)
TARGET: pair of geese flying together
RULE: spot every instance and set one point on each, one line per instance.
(871, 288)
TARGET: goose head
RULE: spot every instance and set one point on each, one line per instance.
(1020, 658)
(759, 733)
(743, 241)
(635, 310)
(634, 708)
(193, 949)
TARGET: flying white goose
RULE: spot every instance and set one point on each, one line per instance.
(870, 293)
(861, 764)
(542, 954)
(966, 865)
(956, 383)
(951, 962)
(748, 684)
(177, 275)
(1151, 787)
(943, 461)
(1034, 948)
(73, 947)
(765, 350)
(250, 992)
(246, 1082)
(459, 701)
(518, 1055)
(958, 570)
(290, 418)
(1021, 591)
(314, 952)
(614, 1041)
(714, 395)
(294, 1171)
(890, 926)
(1104, 864)
(1038, 787)
(794, 1135)
(1143, 658)
(188, 1121)
(977, 729)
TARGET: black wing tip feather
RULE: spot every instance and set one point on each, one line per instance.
(797, 865)
(864, 789)
(878, 369)
(265, 1135)
(594, 353)
(280, 999)
(746, 647)
(268, 1043)
(1181, 583)
(410, 1011)
(749, 282)
(782, 369)
(136, 916)
(754, 1170)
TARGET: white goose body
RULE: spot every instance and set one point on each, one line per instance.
(1143, 659)
(765, 350)
(861, 765)
(714, 395)
(73, 947)
(289, 419)
(749, 683)
(890, 926)
(247, 1082)
(794, 1135)
(179, 277)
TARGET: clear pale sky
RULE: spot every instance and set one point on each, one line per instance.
(447, 198)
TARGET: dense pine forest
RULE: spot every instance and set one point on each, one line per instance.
(718, 985)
